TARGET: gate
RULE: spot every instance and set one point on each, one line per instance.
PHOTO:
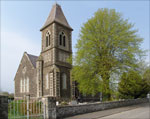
(26, 109)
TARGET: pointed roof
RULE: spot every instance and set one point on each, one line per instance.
(56, 15)
(32, 58)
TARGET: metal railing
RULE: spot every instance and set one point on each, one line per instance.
(25, 109)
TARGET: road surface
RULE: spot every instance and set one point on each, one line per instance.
(141, 111)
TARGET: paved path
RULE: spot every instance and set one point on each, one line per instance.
(141, 111)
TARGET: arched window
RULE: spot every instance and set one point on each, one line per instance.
(46, 41)
(47, 82)
(21, 86)
(24, 90)
(49, 39)
(64, 81)
(27, 84)
(62, 39)
(48, 36)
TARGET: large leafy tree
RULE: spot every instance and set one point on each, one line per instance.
(146, 76)
(107, 44)
(132, 85)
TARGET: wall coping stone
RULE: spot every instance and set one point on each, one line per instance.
(96, 103)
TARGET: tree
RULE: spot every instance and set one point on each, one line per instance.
(132, 86)
(107, 44)
(11, 95)
(146, 76)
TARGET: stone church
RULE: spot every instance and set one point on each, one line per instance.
(49, 73)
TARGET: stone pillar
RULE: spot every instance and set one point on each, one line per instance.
(54, 43)
(39, 65)
(57, 81)
(50, 107)
(28, 104)
(57, 73)
(72, 83)
(3, 107)
(72, 90)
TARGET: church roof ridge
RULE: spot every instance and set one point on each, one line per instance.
(56, 15)
(32, 55)
(32, 58)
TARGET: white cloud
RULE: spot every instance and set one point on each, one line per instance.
(13, 45)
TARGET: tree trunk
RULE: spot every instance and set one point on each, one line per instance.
(105, 87)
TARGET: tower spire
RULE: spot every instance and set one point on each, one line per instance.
(56, 15)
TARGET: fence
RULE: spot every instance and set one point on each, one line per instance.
(47, 109)
(25, 109)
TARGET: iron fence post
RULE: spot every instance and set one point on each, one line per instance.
(28, 99)
(44, 109)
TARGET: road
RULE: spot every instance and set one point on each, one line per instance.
(141, 111)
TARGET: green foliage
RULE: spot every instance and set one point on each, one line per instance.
(132, 86)
(107, 44)
(88, 82)
(64, 103)
(146, 76)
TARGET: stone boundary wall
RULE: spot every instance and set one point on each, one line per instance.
(66, 111)
(3, 107)
(56, 112)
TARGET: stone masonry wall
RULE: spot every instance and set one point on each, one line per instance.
(3, 107)
(30, 73)
(65, 111)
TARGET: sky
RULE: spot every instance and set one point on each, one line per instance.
(21, 22)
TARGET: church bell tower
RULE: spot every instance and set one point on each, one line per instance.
(53, 69)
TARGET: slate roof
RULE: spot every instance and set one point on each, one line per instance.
(33, 59)
(56, 15)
